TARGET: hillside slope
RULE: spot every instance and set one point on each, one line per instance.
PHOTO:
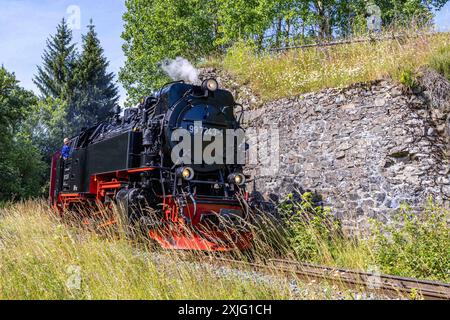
(284, 74)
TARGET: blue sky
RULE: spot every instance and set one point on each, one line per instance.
(26, 24)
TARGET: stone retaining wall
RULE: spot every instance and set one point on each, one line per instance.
(365, 149)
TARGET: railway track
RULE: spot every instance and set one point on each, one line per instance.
(388, 285)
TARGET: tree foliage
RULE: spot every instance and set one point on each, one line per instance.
(20, 161)
(76, 89)
(157, 29)
(48, 125)
(95, 92)
(160, 29)
(55, 77)
(79, 83)
(402, 11)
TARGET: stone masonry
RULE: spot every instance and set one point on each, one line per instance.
(365, 149)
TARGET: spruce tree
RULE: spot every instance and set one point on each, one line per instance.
(55, 77)
(96, 93)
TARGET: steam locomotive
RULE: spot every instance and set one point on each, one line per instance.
(134, 162)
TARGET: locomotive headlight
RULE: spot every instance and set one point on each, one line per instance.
(237, 178)
(187, 173)
(210, 84)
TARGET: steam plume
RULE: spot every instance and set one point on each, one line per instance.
(180, 69)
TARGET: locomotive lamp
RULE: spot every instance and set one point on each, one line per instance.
(236, 178)
(186, 172)
(210, 85)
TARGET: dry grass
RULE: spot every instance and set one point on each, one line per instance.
(41, 258)
(273, 76)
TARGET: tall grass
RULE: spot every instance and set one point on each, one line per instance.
(415, 244)
(43, 257)
(277, 75)
(440, 61)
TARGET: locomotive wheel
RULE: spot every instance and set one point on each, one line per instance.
(131, 207)
(126, 210)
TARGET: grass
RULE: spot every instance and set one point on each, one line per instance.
(42, 257)
(273, 76)
(440, 61)
(415, 244)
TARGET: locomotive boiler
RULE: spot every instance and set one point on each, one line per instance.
(150, 162)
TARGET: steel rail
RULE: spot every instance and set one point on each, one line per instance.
(392, 286)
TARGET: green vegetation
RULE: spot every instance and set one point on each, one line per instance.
(161, 29)
(77, 87)
(273, 76)
(194, 29)
(76, 92)
(19, 179)
(312, 228)
(416, 244)
(43, 257)
(55, 77)
(95, 93)
(440, 61)
(408, 78)
(40, 254)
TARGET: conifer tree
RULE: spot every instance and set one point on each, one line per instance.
(55, 77)
(96, 93)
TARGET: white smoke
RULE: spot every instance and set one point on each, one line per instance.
(180, 69)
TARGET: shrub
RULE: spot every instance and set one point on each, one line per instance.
(313, 230)
(415, 245)
(407, 77)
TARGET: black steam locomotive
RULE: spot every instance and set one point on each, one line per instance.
(132, 161)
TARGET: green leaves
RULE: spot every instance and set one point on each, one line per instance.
(14, 101)
(440, 61)
(20, 162)
(164, 29)
(76, 91)
(313, 229)
(79, 82)
(417, 244)
(403, 12)
(161, 29)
